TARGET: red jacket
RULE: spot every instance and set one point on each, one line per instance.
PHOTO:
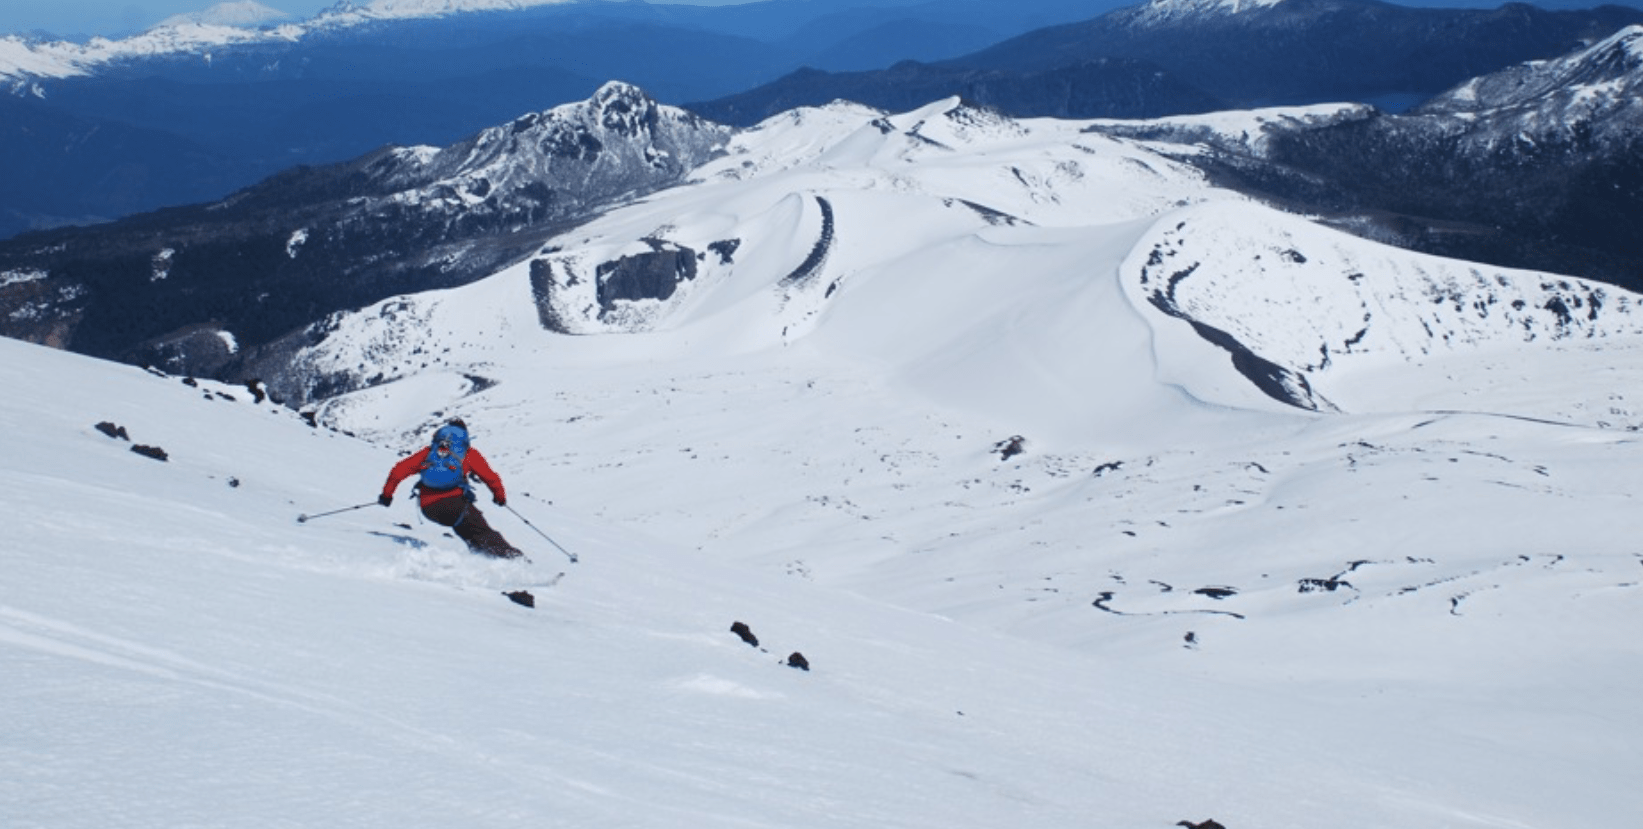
(472, 463)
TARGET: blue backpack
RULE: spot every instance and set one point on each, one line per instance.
(443, 468)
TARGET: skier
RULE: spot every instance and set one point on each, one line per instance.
(444, 493)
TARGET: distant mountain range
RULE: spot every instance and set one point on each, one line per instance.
(1531, 165)
(205, 104)
(1239, 55)
(155, 288)
(191, 110)
(1536, 166)
(1098, 87)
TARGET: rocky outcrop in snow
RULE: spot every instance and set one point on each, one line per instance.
(547, 165)
(1296, 304)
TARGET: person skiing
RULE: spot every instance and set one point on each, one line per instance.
(444, 493)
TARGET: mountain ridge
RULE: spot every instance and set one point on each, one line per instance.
(314, 240)
(261, 101)
(1243, 55)
(1530, 167)
(1210, 262)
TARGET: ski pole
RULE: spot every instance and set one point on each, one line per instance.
(303, 519)
(568, 554)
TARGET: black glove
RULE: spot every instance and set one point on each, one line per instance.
(385, 500)
(500, 501)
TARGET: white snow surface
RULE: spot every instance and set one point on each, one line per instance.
(1248, 130)
(1415, 607)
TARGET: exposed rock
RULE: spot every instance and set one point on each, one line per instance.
(746, 634)
(726, 249)
(154, 452)
(1010, 447)
(1203, 824)
(113, 431)
(652, 275)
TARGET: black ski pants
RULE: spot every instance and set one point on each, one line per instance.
(469, 524)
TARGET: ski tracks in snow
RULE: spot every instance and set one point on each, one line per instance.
(62, 639)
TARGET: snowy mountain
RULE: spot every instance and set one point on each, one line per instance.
(224, 25)
(25, 63)
(316, 240)
(957, 407)
(618, 144)
(1167, 12)
(1590, 97)
(1535, 166)
(799, 25)
(231, 105)
(391, 9)
(1171, 57)
(779, 230)
(1259, 54)
(1102, 87)
(1363, 305)
(242, 14)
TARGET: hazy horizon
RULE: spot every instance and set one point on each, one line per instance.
(75, 19)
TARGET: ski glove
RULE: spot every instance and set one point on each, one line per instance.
(501, 502)
(385, 500)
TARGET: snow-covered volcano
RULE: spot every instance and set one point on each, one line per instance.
(242, 14)
(892, 225)
(1091, 495)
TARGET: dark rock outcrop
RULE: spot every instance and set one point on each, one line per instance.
(651, 275)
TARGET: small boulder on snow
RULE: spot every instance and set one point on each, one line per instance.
(154, 452)
(112, 430)
(1010, 447)
(746, 633)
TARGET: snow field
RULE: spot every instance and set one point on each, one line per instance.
(1183, 599)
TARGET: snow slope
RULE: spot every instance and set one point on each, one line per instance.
(1183, 599)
